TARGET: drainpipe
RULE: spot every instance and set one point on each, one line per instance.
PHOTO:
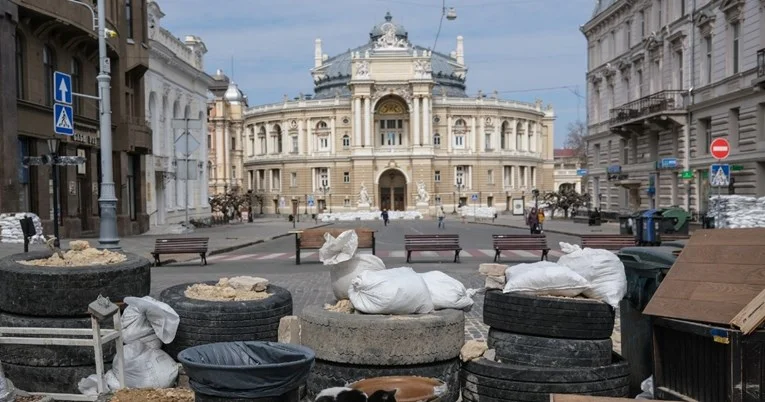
(691, 101)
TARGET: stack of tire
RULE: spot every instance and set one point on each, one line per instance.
(203, 321)
(545, 345)
(352, 347)
(58, 297)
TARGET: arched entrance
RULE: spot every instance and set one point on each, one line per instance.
(392, 190)
(391, 119)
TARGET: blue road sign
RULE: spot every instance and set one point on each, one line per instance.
(63, 119)
(474, 197)
(62, 88)
(719, 175)
(581, 172)
(310, 201)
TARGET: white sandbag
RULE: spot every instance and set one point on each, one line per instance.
(340, 249)
(391, 291)
(149, 321)
(146, 367)
(342, 274)
(447, 292)
(544, 278)
(602, 269)
(6, 388)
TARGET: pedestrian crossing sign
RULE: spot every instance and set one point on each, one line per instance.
(63, 121)
(719, 175)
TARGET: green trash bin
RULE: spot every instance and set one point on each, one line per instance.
(645, 268)
(675, 221)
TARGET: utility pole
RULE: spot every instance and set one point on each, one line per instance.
(108, 237)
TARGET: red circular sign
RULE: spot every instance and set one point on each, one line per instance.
(720, 148)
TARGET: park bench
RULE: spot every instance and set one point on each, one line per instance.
(611, 242)
(432, 242)
(313, 239)
(513, 242)
(181, 245)
(673, 237)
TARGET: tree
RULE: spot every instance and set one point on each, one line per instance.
(575, 139)
(566, 199)
(230, 204)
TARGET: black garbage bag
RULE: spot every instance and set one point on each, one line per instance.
(249, 369)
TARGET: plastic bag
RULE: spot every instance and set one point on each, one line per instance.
(647, 387)
(146, 367)
(342, 274)
(602, 268)
(149, 321)
(447, 292)
(340, 249)
(6, 388)
(392, 291)
(544, 279)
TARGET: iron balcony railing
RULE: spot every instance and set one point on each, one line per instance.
(664, 101)
(761, 63)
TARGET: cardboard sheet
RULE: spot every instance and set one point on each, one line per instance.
(717, 274)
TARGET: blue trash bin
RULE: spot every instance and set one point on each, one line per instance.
(649, 228)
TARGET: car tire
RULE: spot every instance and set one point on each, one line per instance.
(395, 340)
(556, 317)
(542, 351)
(49, 379)
(204, 321)
(30, 290)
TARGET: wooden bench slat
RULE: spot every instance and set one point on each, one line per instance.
(512, 242)
(313, 239)
(181, 245)
(432, 242)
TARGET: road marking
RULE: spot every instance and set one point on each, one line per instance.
(464, 253)
(397, 254)
(489, 253)
(271, 256)
(240, 257)
(523, 253)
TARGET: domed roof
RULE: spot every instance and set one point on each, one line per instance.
(380, 29)
(233, 94)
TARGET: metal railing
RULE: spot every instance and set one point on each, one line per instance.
(761, 63)
(664, 101)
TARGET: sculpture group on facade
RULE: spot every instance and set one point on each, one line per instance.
(422, 194)
(362, 71)
(422, 69)
(388, 39)
(364, 195)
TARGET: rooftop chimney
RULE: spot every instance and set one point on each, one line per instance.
(460, 51)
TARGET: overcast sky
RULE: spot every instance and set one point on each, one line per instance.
(525, 49)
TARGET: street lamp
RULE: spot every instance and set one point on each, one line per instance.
(325, 189)
(53, 144)
(535, 192)
(459, 186)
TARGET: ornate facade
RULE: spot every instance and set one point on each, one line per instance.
(665, 78)
(390, 127)
(177, 87)
(225, 107)
(567, 162)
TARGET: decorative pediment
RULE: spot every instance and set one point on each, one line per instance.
(677, 36)
(732, 8)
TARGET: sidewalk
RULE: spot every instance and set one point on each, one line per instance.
(557, 225)
(223, 238)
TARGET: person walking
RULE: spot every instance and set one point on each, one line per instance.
(441, 215)
(384, 216)
(541, 219)
(532, 220)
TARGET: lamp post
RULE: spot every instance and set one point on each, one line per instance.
(53, 144)
(325, 189)
(460, 187)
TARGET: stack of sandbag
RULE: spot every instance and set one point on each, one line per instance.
(345, 264)
(147, 324)
(10, 228)
(737, 211)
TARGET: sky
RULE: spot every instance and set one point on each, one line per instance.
(525, 49)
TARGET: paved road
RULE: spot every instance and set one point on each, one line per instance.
(309, 282)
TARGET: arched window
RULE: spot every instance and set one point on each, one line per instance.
(76, 72)
(321, 124)
(49, 66)
(437, 140)
(503, 136)
(346, 141)
(460, 123)
(19, 66)
(518, 138)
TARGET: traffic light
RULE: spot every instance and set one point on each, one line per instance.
(731, 185)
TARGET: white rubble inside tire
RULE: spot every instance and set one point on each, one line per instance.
(10, 228)
(225, 291)
(79, 255)
(737, 211)
(472, 350)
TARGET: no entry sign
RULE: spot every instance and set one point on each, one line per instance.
(720, 148)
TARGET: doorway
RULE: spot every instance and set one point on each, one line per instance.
(159, 194)
(393, 190)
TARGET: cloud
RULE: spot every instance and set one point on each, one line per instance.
(509, 44)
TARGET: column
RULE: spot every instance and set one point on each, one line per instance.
(301, 134)
(474, 143)
(332, 136)
(416, 123)
(448, 139)
(357, 121)
(368, 122)
(496, 137)
(309, 137)
(313, 180)
(527, 176)
(513, 170)
(426, 131)
(481, 134)
(533, 137)
(512, 133)
(411, 139)
(526, 136)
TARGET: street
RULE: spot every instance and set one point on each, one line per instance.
(309, 282)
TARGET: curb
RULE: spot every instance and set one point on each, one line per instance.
(238, 246)
(561, 232)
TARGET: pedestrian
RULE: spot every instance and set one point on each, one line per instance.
(441, 215)
(384, 216)
(532, 220)
(541, 219)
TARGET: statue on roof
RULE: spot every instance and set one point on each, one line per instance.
(389, 39)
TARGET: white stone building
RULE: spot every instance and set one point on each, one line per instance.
(666, 77)
(176, 88)
(565, 176)
(225, 144)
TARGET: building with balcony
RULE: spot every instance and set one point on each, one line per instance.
(43, 36)
(177, 88)
(566, 174)
(394, 117)
(665, 78)
(225, 141)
